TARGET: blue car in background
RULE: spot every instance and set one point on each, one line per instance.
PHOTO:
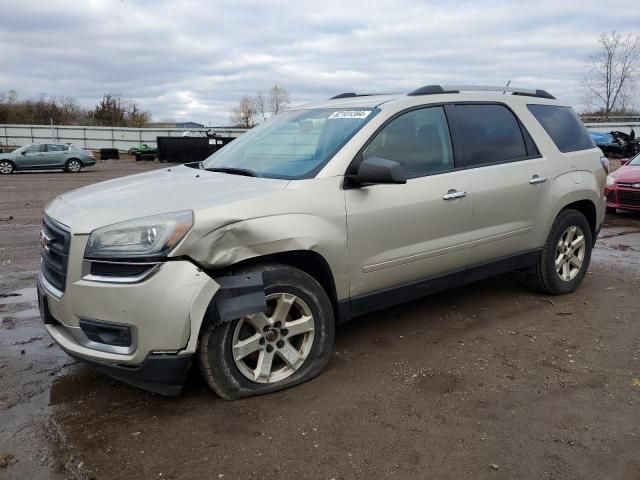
(46, 156)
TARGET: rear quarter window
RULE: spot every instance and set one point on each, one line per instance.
(563, 126)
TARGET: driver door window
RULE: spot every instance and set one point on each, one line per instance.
(418, 140)
(35, 148)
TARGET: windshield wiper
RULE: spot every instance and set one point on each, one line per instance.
(233, 171)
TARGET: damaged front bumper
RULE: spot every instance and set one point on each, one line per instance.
(144, 333)
(129, 330)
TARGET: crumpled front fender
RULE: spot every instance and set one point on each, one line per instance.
(277, 234)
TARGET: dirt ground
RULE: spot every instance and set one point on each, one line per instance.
(488, 381)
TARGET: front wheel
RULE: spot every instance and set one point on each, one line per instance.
(566, 255)
(73, 166)
(287, 344)
(6, 167)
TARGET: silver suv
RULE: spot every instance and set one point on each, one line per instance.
(245, 262)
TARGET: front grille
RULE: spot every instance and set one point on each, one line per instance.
(627, 197)
(54, 262)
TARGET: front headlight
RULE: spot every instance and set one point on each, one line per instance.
(140, 238)
(610, 180)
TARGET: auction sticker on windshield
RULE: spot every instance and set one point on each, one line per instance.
(350, 114)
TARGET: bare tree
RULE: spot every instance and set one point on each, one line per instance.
(244, 114)
(260, 107)
(612, 71)
(136, 117)
(278, 99)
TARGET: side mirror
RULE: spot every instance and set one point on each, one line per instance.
(378, 170)
(24, 152)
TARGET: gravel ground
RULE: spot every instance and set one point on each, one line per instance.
(488, 381)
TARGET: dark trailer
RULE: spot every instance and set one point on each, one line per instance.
(189, 149)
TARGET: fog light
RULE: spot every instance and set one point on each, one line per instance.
(106, 333)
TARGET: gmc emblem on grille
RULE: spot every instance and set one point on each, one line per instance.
(45, 242)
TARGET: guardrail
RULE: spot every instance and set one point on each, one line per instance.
(95, 138)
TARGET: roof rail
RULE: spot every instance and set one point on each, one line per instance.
(352, 94)
(439, 89)
(344, 95)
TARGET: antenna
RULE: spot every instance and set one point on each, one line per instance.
(506, 86)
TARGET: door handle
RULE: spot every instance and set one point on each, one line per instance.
(453, 194)
(537, 179)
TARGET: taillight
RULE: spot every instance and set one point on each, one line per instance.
(604, 161)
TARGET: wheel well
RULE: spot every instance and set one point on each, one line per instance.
(306, 260)
(588, 209)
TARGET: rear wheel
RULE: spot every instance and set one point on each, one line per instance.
(6, 167)
(566, 255)
(287, 344)
(73, 165)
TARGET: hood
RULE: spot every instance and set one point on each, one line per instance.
(160, 191)
(627, 174)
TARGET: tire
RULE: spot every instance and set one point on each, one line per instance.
(6, 167)
(544, 276)
(73, 165)
(238, 378)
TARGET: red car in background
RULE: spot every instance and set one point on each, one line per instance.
(623, 187)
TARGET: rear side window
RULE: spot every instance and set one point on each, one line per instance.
(490, 133)
(56, 148)
(563, 126)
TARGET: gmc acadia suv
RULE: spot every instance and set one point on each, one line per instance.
(245, 262)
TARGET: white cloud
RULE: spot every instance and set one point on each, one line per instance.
(193, 59)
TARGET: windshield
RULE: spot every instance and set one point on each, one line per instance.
(291, 145)
(635, 161)
(24, 147)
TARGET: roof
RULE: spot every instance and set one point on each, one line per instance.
(436, 94)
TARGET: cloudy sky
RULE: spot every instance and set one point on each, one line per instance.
(192, 59)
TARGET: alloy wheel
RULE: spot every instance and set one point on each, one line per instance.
(570, 253)
(270, 346)
(74, 166)
(6, 168)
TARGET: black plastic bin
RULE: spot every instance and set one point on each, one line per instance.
(109, 153)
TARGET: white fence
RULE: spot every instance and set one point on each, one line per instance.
(97, 137)
(125, 138)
